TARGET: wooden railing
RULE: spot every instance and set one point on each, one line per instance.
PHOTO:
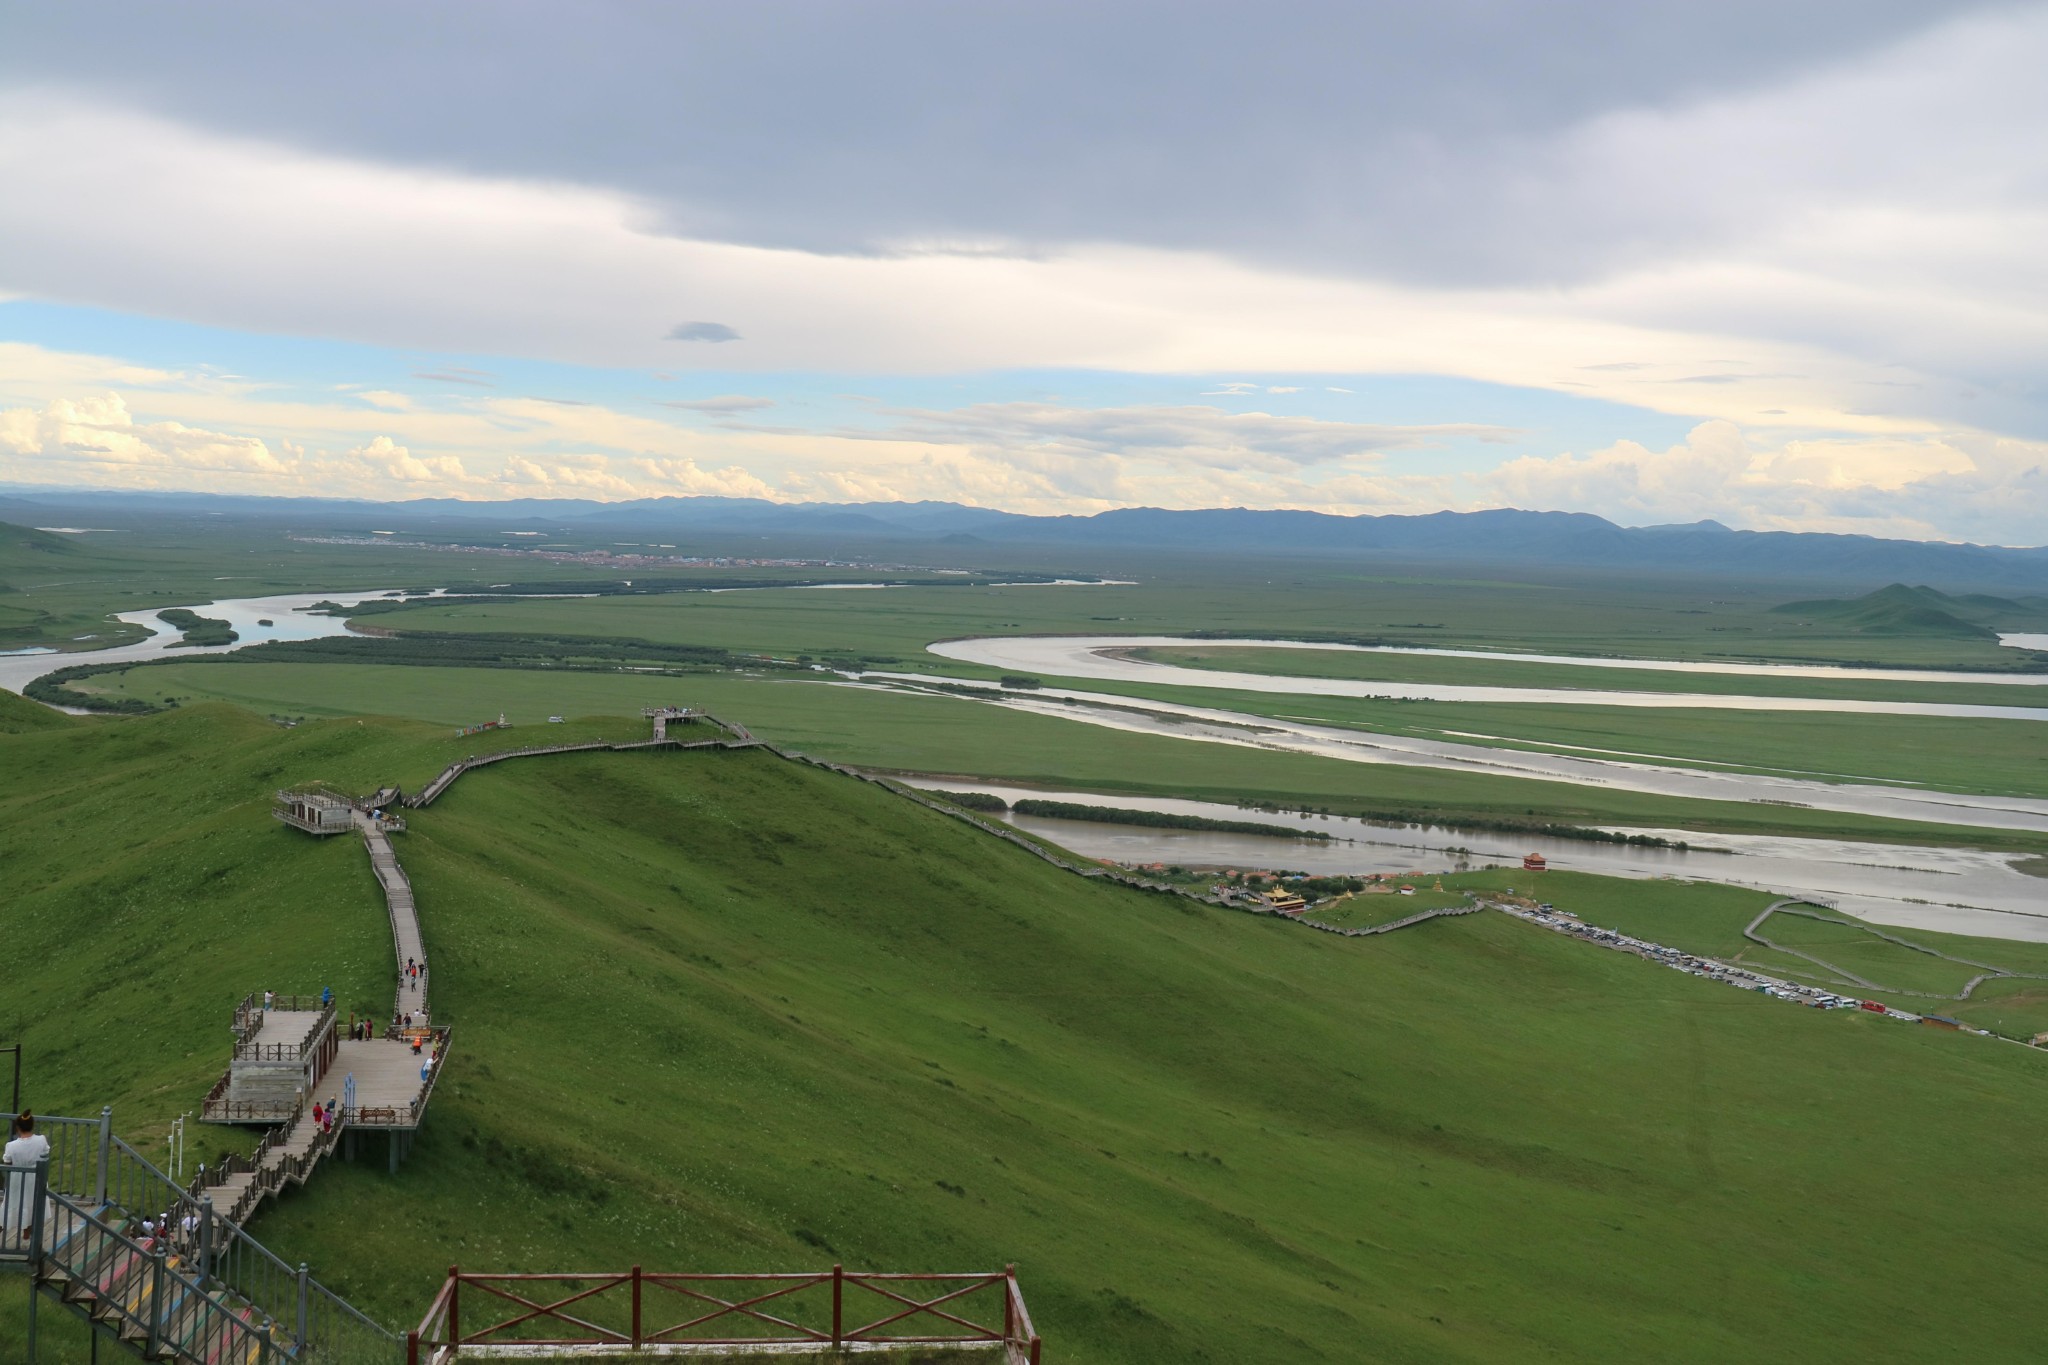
(658, 1313)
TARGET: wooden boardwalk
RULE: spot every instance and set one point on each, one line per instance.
(390, 1082)
(409, 1006)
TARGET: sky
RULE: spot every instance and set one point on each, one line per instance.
(1777, 265)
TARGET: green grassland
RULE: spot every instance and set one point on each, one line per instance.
(1565, 615)
(1364, 911)
(1468, 672)
(1991, 755)
(1708, 920)
(55, 589)
(882, 728)
(891, 629)
(722, 1011)
(59, 591)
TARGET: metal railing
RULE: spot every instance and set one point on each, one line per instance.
(248, 1050)
(104, 1178)
(638, 1311)
(150, 1289)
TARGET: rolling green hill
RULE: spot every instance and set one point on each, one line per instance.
(1902, 610)
(720, 1011)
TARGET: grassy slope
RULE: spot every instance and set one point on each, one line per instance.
(719, 1011)
(881, 728)
(1700, 917)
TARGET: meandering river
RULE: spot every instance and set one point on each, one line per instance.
(1100, 657)
(1953, 890)
(1215, 726)
(257, 620)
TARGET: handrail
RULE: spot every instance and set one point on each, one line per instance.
(122, 1185)
(172, 1312)
(611, 1309)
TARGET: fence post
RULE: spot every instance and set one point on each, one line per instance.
(412, 1347)
(39, 1188)
(454, 1318)
(156, 1300)
(299, 1339)
(838, 1299)
(636, 1307)
(1009, 1303)
(106, 1153)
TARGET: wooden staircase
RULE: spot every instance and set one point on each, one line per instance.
(144, 1293)
(159, 1267)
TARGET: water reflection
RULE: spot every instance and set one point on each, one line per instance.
(1958, 891)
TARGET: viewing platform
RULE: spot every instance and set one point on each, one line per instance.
(315, 812)
(281, 1052)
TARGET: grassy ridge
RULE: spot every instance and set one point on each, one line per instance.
(722, 1011)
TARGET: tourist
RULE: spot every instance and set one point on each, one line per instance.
(415, 1045)
(326, 996)
(267, 998)
(316, 1114)
(27, 1148)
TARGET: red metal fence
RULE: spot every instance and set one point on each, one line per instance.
(479, 1316)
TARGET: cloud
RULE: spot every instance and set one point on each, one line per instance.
(1029, 457)
(1390, 138)
(729, 402)
(1198, 435)
(702, 331)
(455, 375)
(97, 440)
(464, 264)
(1955, 485)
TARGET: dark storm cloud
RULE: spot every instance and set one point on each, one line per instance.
(1387, 137)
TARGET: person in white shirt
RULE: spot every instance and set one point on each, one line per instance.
(21, 1156)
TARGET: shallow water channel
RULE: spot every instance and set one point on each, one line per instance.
(286, 613)
(1957, 891)
(1099, 657)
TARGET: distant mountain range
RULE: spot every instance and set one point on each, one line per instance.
(1503, 536)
